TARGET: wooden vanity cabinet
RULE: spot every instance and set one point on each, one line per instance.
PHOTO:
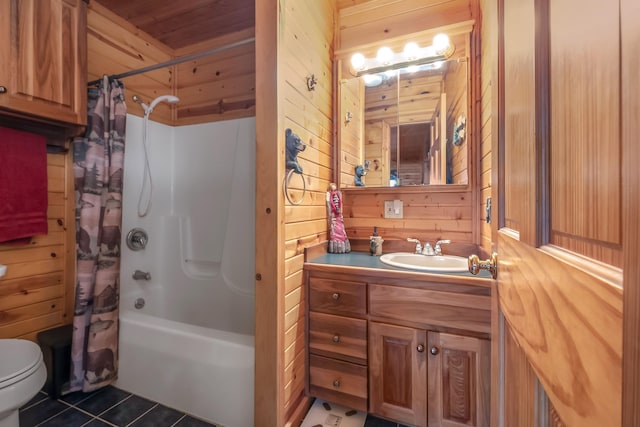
(43, 65)
(337, 341)
(458, 380)
(398, 373)
(420, 349)
(418, 377)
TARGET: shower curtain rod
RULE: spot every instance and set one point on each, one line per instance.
(176, 61)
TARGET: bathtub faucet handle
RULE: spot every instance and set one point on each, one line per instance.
(137, 239)
(141, 275)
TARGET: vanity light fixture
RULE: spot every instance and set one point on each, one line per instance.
(412, 55)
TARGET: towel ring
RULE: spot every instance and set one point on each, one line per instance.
(285, 187)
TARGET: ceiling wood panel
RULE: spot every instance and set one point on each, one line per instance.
(180, 24)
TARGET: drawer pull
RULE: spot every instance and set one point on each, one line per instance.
(336, 338)
(3, 89)
(435, 350)
(336, 383)
(335, 296)
(420, 348)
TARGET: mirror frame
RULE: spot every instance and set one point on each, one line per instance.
(473, 116)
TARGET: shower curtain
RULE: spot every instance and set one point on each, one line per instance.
(98, 171)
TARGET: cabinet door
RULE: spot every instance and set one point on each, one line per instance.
(398, 373)
(43, 58)
(459, 379)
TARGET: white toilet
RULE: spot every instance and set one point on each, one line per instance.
(22, 375)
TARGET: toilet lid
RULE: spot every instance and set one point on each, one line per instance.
(16, 358)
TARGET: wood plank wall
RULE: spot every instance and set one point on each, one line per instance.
(368, 22)
(114, 46)
(488, 122)
(438, 214)
(219, 86)
(307, 48)
(215, 87)
(37, 293)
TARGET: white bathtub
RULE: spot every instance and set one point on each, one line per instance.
(205, 372)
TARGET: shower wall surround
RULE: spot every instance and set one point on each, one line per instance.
(200, 224)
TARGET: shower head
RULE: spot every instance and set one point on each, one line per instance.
(148, 109)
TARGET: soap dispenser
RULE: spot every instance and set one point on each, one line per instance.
(375, 243)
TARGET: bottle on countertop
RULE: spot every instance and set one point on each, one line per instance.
(375, 243)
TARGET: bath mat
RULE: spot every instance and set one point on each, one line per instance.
(329, 414)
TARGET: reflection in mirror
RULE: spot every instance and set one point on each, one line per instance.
(409, 122)
(408, 125)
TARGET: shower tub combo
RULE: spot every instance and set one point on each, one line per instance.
(187, 328)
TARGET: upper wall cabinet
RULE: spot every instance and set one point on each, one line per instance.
(43, 50)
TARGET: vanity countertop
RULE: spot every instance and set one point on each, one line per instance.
(373, 266)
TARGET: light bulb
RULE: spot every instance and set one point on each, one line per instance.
(411, 51)
(441, 44)
(357, 61)
(384, 56)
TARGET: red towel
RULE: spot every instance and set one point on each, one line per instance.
(23, 184)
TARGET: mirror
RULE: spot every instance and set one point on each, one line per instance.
(406, 127)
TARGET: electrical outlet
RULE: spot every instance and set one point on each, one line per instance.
(393, 209)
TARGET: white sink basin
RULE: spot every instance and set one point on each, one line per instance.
(435, 263)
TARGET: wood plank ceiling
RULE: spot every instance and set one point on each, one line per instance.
(183, 23)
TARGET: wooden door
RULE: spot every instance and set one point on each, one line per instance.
(559, 232)
(459, 377)
(43, 49)
(398, 373)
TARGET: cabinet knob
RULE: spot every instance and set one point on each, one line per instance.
(3, 89)
(335, 296)
(336, 338)
(420, 348)
(435, 350)
(336, 383)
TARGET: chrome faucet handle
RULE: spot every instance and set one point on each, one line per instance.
(427, 249)
(418, 245)
(438, 248)
(141, 275)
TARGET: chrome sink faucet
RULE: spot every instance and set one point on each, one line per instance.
(438, 249)
(427, 249)
(418, 245)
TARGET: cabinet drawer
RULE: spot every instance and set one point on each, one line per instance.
(338, 381)
(336, 336)
(424, 307)
(338, 296)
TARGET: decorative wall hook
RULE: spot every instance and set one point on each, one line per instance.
(459, 132)
(293, 145)
(348, 117)
(312, 82)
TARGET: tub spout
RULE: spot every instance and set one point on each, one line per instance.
(141, 275)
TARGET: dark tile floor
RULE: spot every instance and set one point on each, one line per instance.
(107, 407)
(379, 422)
(114, 407)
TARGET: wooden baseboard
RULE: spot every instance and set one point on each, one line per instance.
(299, 411)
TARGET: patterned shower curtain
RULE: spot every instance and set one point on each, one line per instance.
(98, 168)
